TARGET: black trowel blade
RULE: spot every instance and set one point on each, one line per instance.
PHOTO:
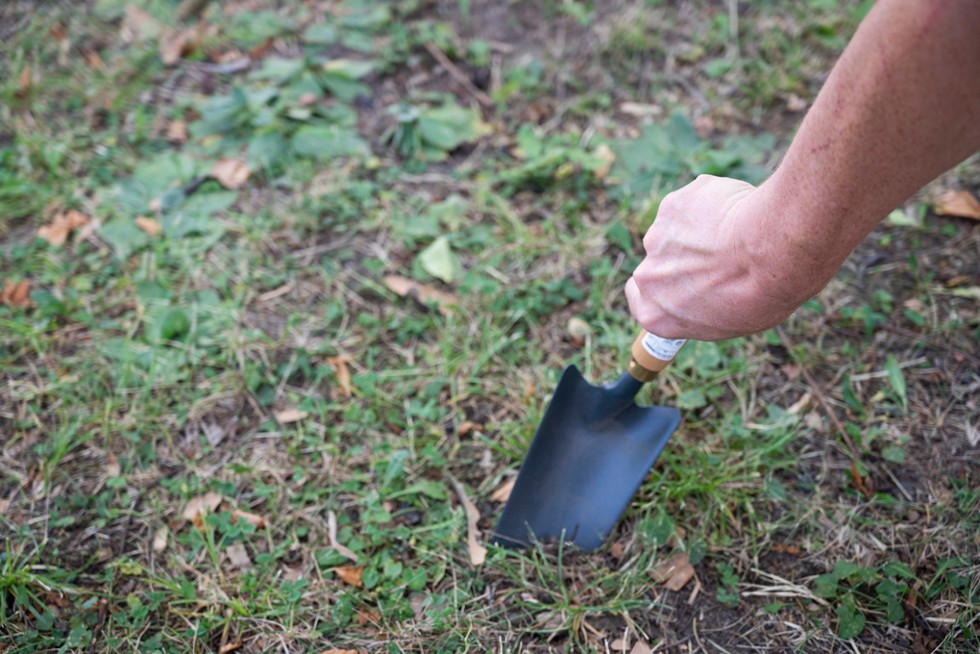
(590, 454)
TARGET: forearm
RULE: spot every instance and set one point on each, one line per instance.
(901, 106)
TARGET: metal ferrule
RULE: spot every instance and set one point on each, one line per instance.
(639, 373)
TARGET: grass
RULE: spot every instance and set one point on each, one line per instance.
(251, 356)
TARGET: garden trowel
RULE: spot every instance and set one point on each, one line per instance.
(592, 450)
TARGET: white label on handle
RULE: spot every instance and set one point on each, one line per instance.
(664, 349)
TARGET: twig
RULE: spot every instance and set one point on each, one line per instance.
(458, 75)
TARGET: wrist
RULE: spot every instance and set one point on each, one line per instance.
(788, 262)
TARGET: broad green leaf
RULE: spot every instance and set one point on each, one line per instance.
(439, 260)
(172, 324)
(825, 585)
(449, 126)
(349, 68)
(320, 34)
(850, 620)
(893, 453)
(344, 88)
(693, 398)
(124, 236)
(844, 569)
(278, 69)
(896, 380)
(328, 142)
(267, 150)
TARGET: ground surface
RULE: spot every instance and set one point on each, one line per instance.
(225, 427)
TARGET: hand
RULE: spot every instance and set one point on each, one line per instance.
(709, 273)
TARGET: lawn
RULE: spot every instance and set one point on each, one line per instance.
(286, 287)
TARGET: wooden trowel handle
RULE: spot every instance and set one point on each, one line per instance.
(651, 354)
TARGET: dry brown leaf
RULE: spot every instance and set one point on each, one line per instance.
(674, 573)
(957, 203)
(198, 507)
(138, 25)
(175, 44)
(231, 173)
(4, 505)
(253, 519)
(478, 553)
(16, 294)
(641, 647)
(290, 415)
(468, 427)
(151, 226)
(238, 555)
(578, 331)
(368, 616)
(339, 364)
(619, 645)
(604, 153)
(351, 575)
(424, 295)
(340, 651)
(63, 224)
(177, 131)
(228, 648)
(112, 467)
(307, 99)
(93, 59)
(160, 539)
(792, 550)
(503, 491)
(25, 80)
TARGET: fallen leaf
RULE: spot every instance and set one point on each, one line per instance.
(238, 555)
(339, 364)
(200, 506)
(641, 647)
(351, 575)
(63, 224)
(578, 331)
(307, 100)
(177, 131)
(228, 648)
(619, 645)
(253, 519)
(468, 427)
(290, 415)
(424, 295)
(641, 110)
(478, 553)
(792, 550)
(25, 80)
(16, 294)
(112, 467)
(93, 59)
(175, 44)
(368, 616)
(231, 173)
(674, 573)
(138, 25)
(151, 226)
(340, 651)
(58, 32)
(795, 103)
(503, 491)
(957, 203)
(4, 505)
(160, 540)
(608, 158)
(860, 483)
